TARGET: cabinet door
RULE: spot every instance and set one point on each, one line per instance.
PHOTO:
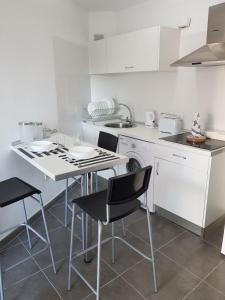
(97, 57)
(180, 190)
(134, 52)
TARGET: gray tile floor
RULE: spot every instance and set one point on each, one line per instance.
(187, 267)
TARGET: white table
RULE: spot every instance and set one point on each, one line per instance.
(58, 165)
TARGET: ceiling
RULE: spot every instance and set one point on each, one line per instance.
(104, 5)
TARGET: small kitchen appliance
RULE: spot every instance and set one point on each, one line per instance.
(169, 123)
(150, 119)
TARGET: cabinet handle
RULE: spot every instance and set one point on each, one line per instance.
(179, 156)
(157, 168)
(129, 67)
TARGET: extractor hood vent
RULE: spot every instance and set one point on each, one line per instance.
(213, 53)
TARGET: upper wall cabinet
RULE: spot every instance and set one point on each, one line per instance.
(98, 57)
(150, 49)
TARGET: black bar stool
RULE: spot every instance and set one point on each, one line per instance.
(13, 190)
(108, 206)
(109, 142)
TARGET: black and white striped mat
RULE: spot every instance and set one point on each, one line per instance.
(63, 153)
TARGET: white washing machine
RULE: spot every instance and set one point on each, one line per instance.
(140, 154)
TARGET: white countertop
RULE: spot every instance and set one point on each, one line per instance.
(153, 135)
(140, 131)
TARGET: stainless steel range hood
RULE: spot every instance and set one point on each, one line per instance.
(213, 53)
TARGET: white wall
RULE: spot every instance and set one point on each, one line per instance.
(72, 84)
(182, 92)
(28, 89)
(102, 22)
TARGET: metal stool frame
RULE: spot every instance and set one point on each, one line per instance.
(96, 291)
(28, 229)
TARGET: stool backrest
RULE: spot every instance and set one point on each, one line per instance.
(107, 141)
(128, 187)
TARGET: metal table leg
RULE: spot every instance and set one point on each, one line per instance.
(1, 284)
(66, 204)
(87, 187)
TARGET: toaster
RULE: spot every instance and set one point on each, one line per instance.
(170, 124)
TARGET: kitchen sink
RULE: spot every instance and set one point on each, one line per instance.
(120, 125)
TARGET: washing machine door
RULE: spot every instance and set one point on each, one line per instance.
(135, 162)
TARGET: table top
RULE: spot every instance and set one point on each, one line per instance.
(58, 164)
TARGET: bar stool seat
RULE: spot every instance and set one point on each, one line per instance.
(94, 205)
(14, 189)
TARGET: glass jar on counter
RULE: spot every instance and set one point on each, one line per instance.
(38, 131)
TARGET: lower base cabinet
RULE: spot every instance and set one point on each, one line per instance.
(180, 190)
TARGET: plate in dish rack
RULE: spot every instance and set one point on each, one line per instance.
(41, 146)
(83, 152)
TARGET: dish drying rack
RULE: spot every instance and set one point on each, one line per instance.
(104, 118)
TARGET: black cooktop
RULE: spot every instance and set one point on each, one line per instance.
(209, 144)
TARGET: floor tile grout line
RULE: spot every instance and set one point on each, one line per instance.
(213, 287)
(133, 222)
(53, 286)
(179, 265)
(120, 275)
(86, 297)
(34, 239)
(211, 244)
(155, 249)
(203, 280)
(56, 262)
(9, 268)
(173, 239)
(115, 278)
(55, 205)
(21, 280)
(4, 248)
(31, 223)
(137, 236)
(104, 285)
(132, 286)
(63, 225)
(37, 264)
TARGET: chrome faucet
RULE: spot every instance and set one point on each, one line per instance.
(130, 119)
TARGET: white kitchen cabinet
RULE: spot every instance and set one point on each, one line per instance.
(149, 49)
(189, 183)
(181, 190)
(97, 57)
(134, 51)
